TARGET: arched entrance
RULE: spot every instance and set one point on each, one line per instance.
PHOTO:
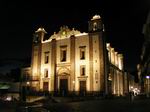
(63, 84)
(63, 87)
(63, 81)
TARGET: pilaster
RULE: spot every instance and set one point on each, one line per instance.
(72, 61)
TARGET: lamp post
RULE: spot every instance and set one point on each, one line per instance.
(148, 78)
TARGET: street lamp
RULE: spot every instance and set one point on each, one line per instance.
(131, 87)
(148, 78)
(28, 83)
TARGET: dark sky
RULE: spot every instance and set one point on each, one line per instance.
(123, 22)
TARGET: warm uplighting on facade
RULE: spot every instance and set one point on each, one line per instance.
(114, 57)
(116, 75)
(73, 61)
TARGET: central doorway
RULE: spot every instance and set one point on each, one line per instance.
(63, 87)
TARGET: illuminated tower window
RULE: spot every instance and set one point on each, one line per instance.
(82, 52)
(94, 26)
(63, 53)
(82, 70)
(46, 73)
(46, 57)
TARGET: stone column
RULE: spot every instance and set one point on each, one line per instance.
(120, 56)
(72, 61)
(53, 66)
(117, 73)
(112, 56)
(120, 61)
(109, 52)
(112, 59)
(116, 59)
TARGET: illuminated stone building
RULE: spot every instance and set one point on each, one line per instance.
(71, 61)
(117, 79)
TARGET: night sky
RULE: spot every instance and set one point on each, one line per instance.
(123, 22)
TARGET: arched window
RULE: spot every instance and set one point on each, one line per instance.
(94, 26)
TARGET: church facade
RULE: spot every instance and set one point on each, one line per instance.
(71, 61)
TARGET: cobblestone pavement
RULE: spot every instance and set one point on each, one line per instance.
(107, 105)
(97, 105)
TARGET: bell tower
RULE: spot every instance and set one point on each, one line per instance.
(95, 25)
(98, 66)
(38, 37)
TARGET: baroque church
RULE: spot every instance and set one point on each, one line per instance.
(71, 61)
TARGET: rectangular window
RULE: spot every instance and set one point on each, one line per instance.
(63, 53)
(46, 73)
(82, 70)
(82, 52)
(46, 57)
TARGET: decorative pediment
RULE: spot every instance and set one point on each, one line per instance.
(63, 70)
(64, 32)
